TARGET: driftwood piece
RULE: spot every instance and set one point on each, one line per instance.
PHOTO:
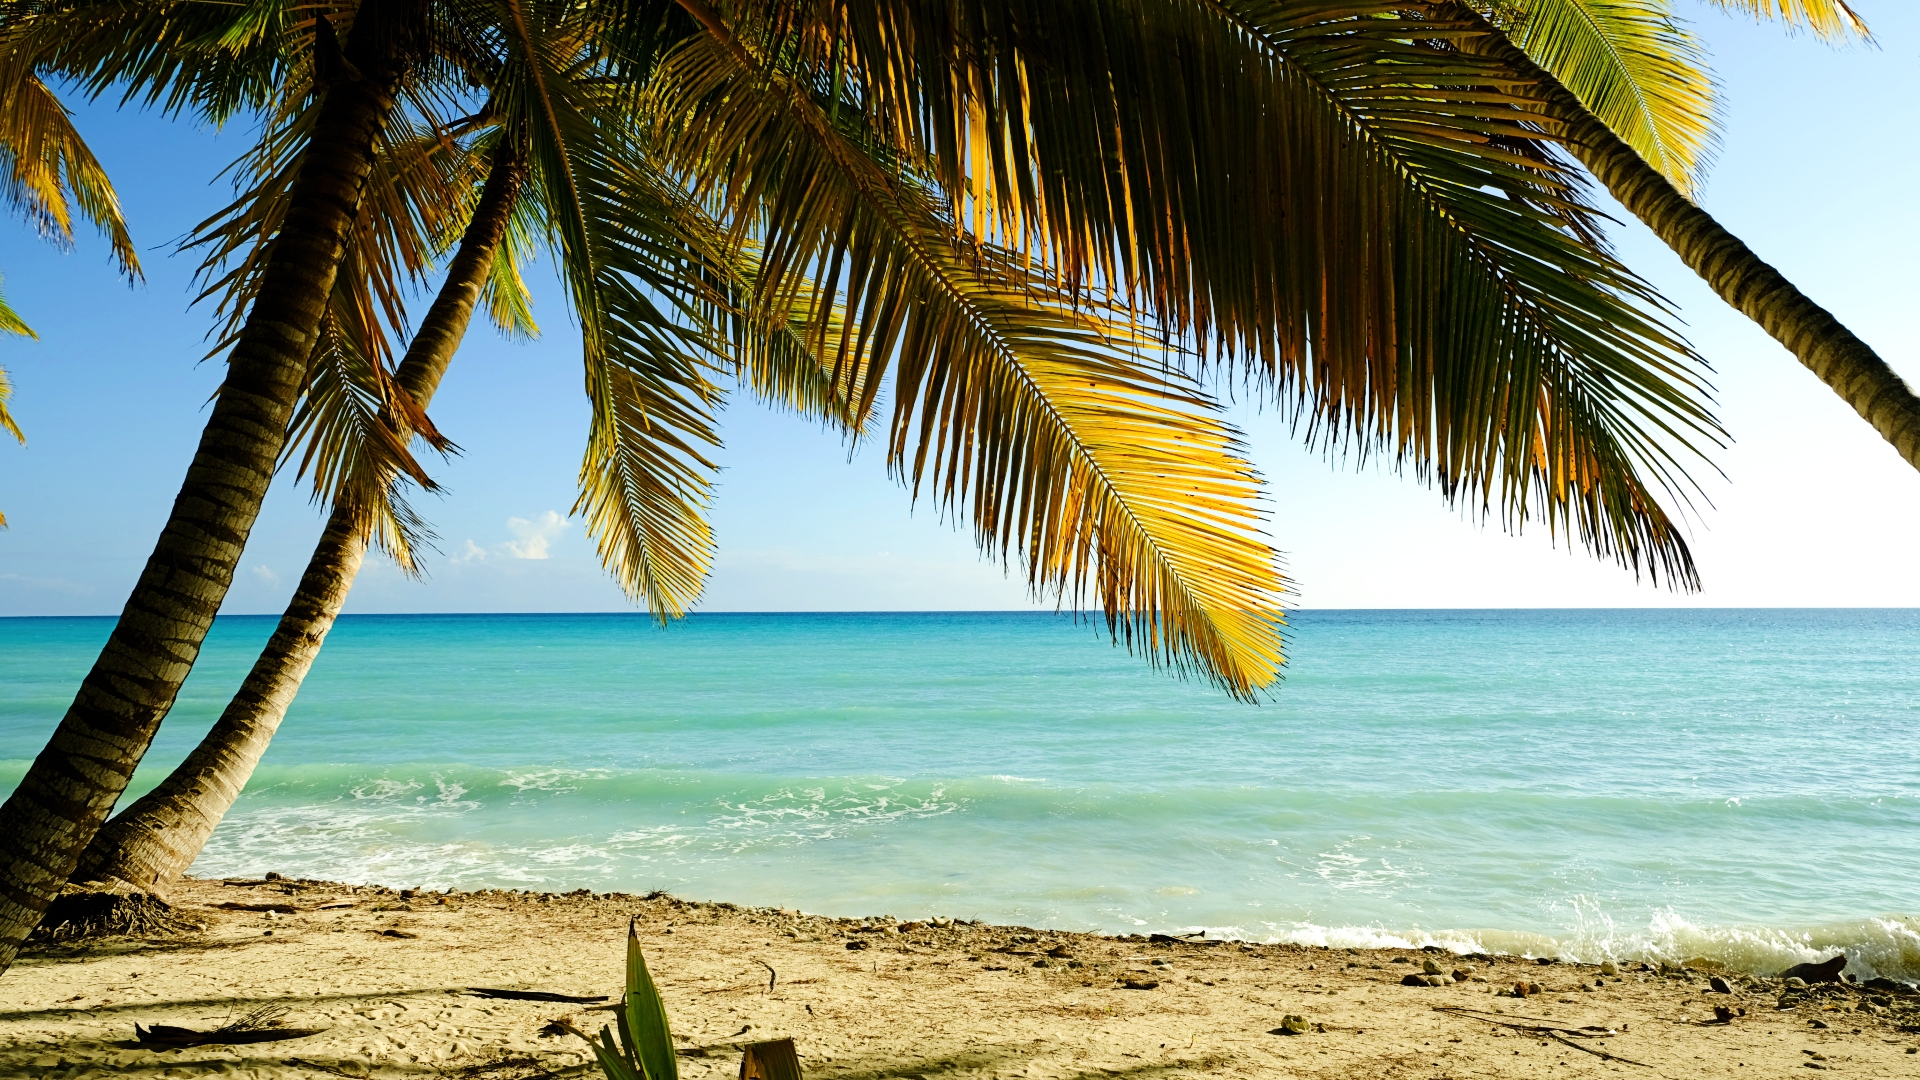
(1539, 1026)
(773, 1060)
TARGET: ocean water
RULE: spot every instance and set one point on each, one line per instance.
(1742, 785)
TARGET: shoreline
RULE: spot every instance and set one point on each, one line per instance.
(383, 974)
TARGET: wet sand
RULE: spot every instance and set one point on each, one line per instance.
(386, 974)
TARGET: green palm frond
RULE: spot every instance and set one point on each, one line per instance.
(1633, 65)
(509, 304)
(181, 56)
(422, 188)
(645, 479)
(352, 430)
(1830, 20)
(1409, 263)
(47, 171)
(716, 272)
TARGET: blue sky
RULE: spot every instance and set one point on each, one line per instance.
(1816, 173)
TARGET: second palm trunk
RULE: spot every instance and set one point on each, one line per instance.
(152, 842)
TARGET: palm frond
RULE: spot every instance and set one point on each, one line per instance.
(1830, 20)
(46, 171)
(715, 271)
(422, 187)
(7, 422)
(6, 391)
(1633, 65)
(509, 304)
(180, 56)
(645, 481)
(1335, 196)
(348, 432)
(1017, 403)
(11, 323)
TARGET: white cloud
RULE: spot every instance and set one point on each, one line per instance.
(266, 574)
(535, 537)
(470, 552)
(51, 584)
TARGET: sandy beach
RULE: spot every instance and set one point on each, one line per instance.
(386, 975)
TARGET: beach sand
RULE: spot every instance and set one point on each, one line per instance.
(919, 1002)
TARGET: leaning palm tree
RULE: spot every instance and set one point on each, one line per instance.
(211, 62)
(659, 544)
(46, 172)
(1037, 255)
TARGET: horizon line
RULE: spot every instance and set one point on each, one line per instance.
(1008, 611)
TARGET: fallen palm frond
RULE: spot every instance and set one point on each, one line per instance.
(533, 995)
(260, 1025)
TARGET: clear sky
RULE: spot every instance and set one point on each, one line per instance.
(1816, 173)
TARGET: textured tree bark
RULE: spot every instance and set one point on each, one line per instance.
(1846, 364)
(49, 819)
(151, 843)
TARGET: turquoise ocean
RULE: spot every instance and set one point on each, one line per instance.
(1738, 784)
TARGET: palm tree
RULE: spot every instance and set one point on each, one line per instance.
(1644, 147)
(149, 844)
(1013, 208)
(47, 171)
(74, 782)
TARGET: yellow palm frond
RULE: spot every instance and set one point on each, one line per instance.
(1633, 65)
(11, 323)
(6, 420)
(645, 481)
(1037, 414)
(7, 423)
(422, 189)
(46, 170)
(1830, 20)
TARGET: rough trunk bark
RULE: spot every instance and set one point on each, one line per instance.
(1818, 340)
(48, 820)
(151, 843)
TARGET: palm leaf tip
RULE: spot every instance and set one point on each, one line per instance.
(1829, 20)
(1630, 62)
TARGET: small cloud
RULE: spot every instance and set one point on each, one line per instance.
(51, 584)
(266, 574)
(536, 537)
(470, 552)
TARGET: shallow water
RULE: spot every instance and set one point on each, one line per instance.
(1738, 784)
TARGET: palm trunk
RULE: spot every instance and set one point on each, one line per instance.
(1818, 340)
(68, 791)
(151, 843)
